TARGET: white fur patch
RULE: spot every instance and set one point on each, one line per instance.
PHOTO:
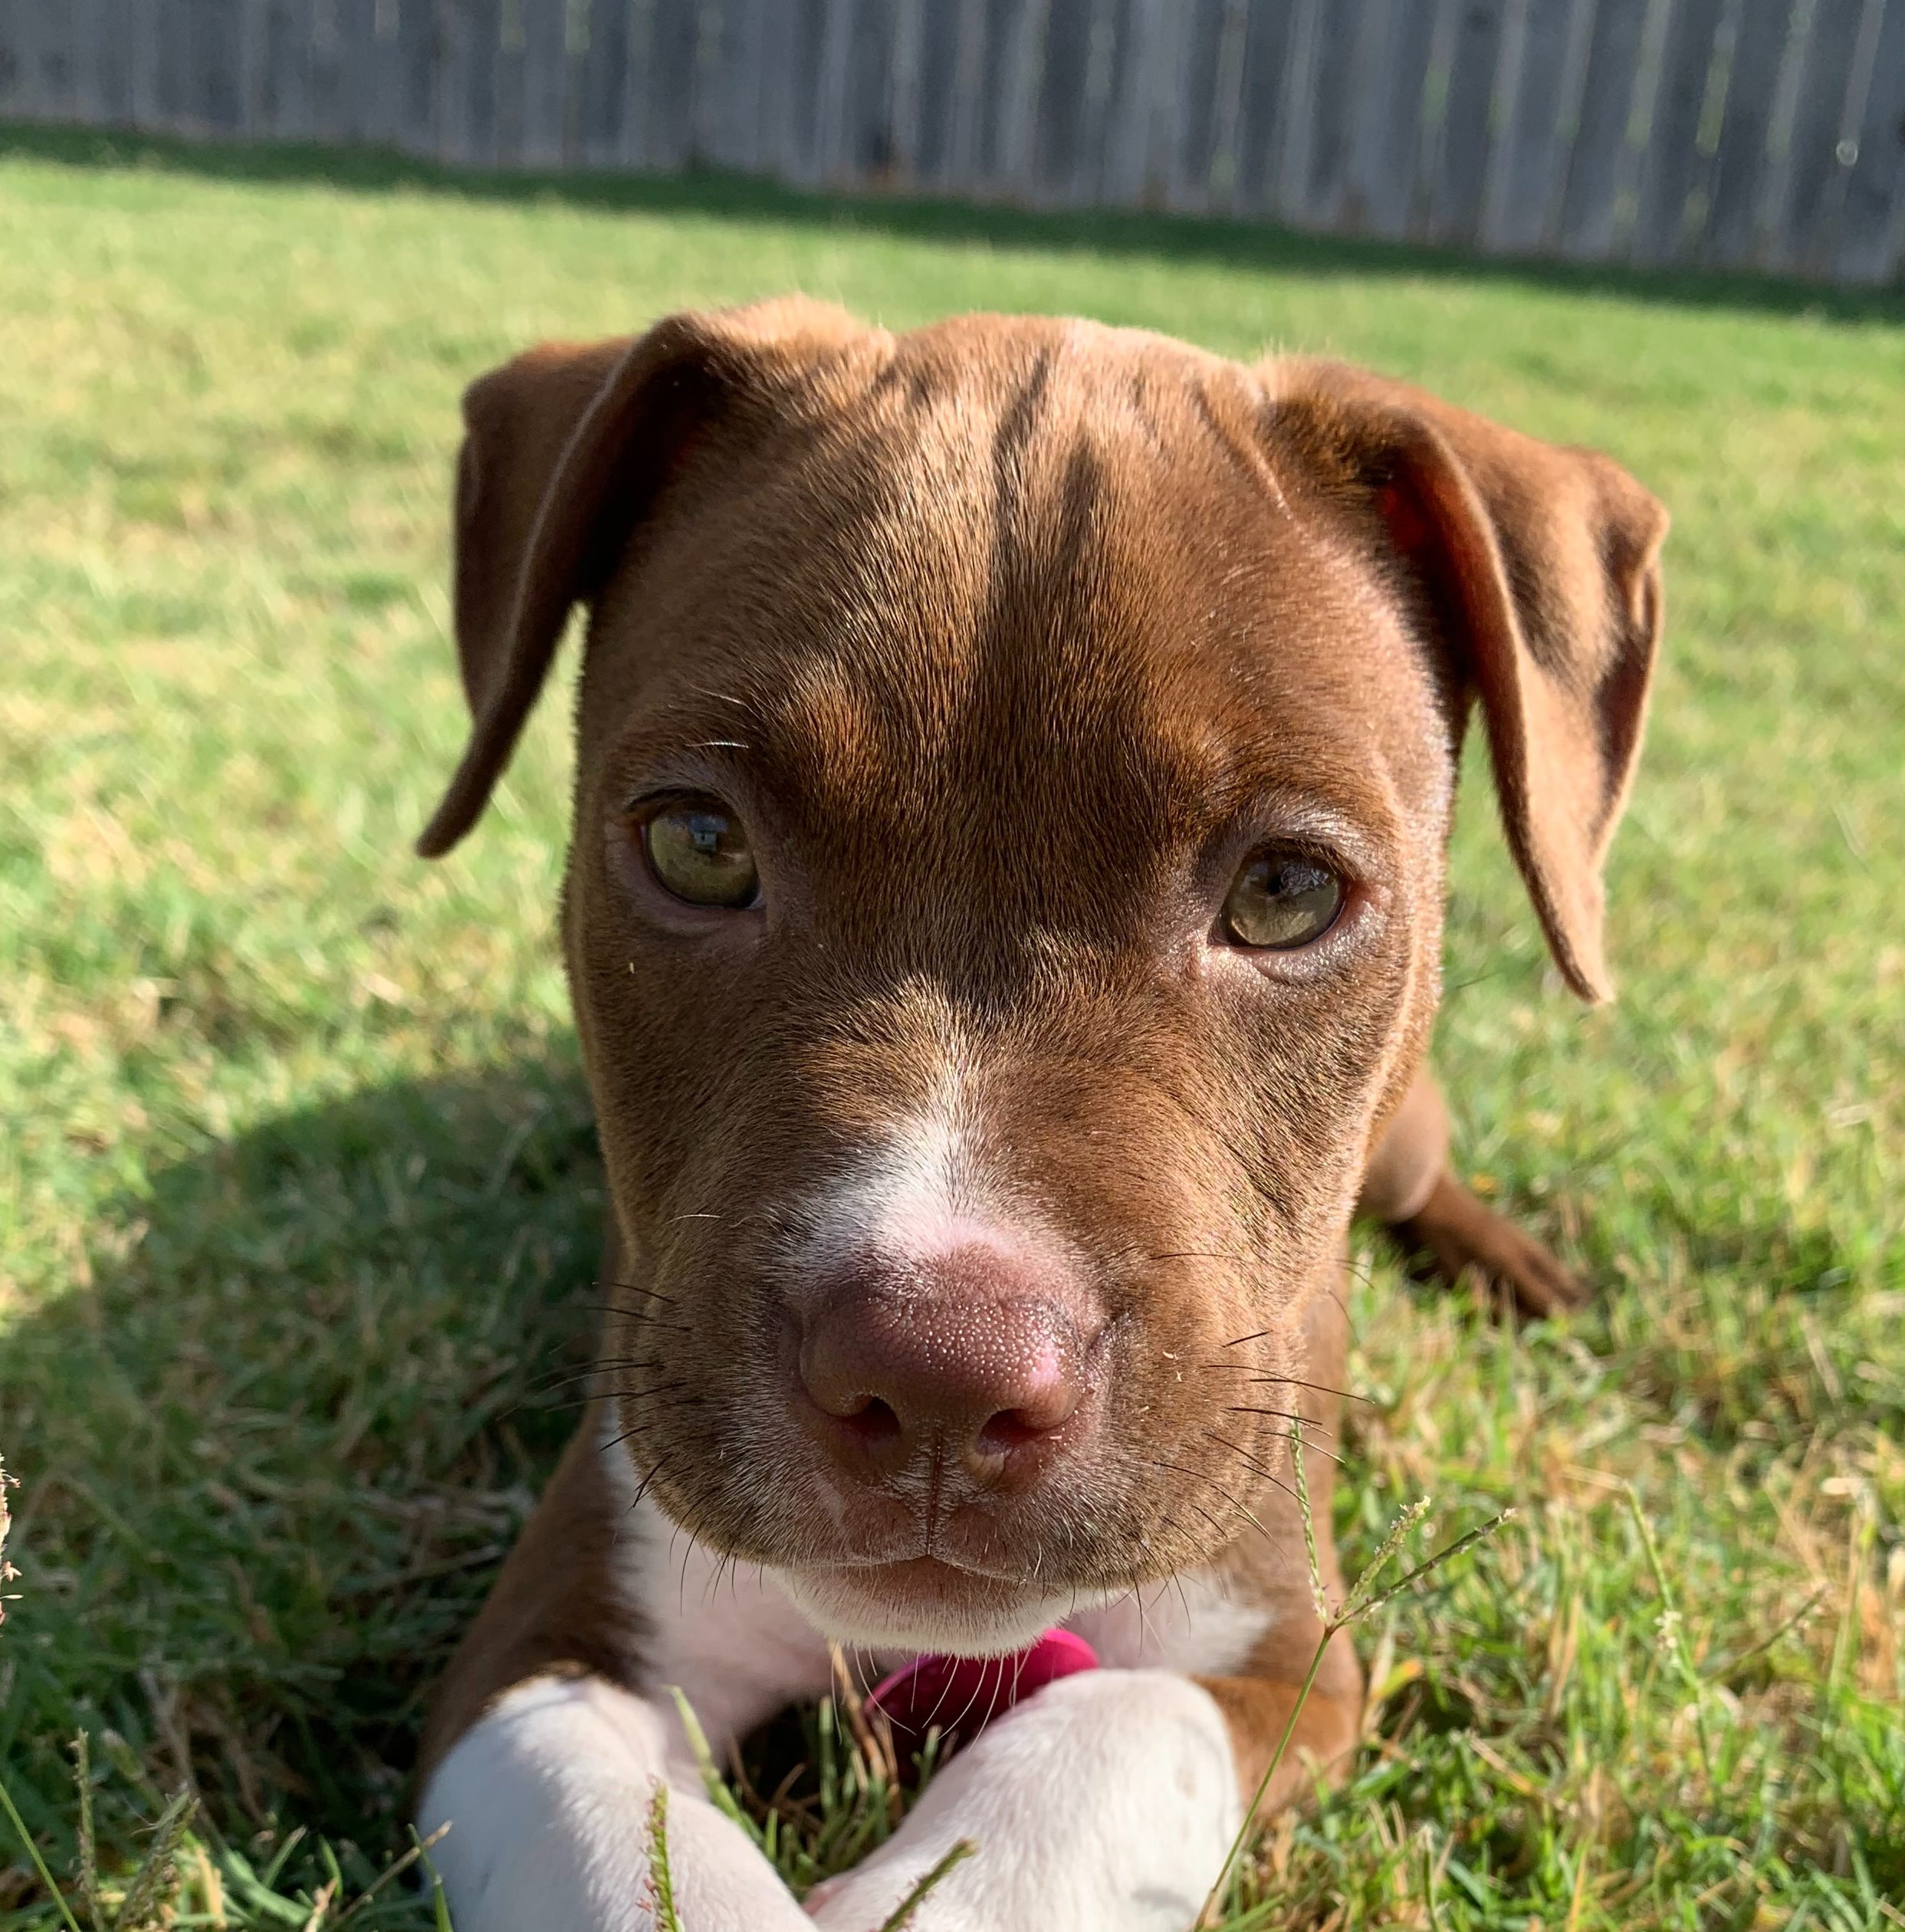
(922, 1190)
(1105, 1803)
(727, 1637)
(547, 1797)
(1195, 1623)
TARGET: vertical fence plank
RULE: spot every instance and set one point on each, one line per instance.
(1504, 117)
(1431, 82)
(508, 81)
(723, 107)
(469, 41)
(1226, 105)
(599, 96)
(1016, 149)
(545, 73)
(1371, 119)
(638, 46)
(1295, 113)
(1455, 195)
(1697, 214)
(1637, 138)
(959, 162)
(1855, 99)
(1333, 115)
(1759, 41)
(98, 67)
(1266, 34)
(1588, 213)
(1097, 86)
(326, 70)
(902, 109)
(1157, 85)
(1775, 181)
(43, 59)
(287, 69)
(870, 93)
(1805, 237)
(416, 59)
(1571, 88)
(14, 60)
(1127, 126)
(833, 66)
(1872, 221)
(1667, 172)
(55, 60)
(217, 81)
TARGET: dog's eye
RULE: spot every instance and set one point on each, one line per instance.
(1280, 900)
(697, 850)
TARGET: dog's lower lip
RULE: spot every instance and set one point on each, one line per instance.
(922, 1568)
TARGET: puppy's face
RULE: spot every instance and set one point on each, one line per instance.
(1015, 766)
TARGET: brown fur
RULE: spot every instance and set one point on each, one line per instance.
(1008, 638)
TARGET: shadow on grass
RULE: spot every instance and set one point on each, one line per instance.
(271, 1456)
(1240, 245)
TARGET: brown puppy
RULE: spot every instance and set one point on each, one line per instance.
(1004, 920)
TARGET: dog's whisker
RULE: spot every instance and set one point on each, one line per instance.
(1291, 1415)
(1250, 1462)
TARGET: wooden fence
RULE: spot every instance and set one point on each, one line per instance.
(1766, 134)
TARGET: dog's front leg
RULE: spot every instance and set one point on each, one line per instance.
(1107, 1801)
(548, 1799)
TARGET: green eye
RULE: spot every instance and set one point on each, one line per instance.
(1282, 900)
(698, 850)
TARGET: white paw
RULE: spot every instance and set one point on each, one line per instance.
(1105, 1803)
(547, 1800)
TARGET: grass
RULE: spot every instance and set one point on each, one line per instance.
(298, 1194)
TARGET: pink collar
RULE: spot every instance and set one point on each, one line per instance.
(960, 1695)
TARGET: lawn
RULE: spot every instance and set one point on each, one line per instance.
(298, 1194)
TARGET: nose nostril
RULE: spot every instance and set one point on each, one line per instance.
(874, 1424)
(1013, 1429)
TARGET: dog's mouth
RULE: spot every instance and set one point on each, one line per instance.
(927, 1603)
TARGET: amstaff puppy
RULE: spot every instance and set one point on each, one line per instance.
(1004, 914)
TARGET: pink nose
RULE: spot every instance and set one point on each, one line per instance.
(973, 1356)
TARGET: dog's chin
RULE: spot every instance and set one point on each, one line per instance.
(923, 1605)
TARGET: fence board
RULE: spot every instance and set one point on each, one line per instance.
(1295, 120)
(1667, 172)
(1871, 241)
(1097, 93)
(545, 82)
(469, 39)
(1025, 42)
(833, 72)
(98, 57)
(667, 85)
(16, 60)
(1193, 125)
(416, 55)
(1455, 196)
(362, 109)
(1775, 198)
(1332, 113)
(1728, 133)
(1379, 168)
(1739, 162)
(1804, 236)
(1588, 211)
(507, 79)
(1058, 113)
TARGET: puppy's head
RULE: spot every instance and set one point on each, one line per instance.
(1015, 764)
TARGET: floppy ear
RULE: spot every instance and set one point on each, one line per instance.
(565, 449)
(1544, 564)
